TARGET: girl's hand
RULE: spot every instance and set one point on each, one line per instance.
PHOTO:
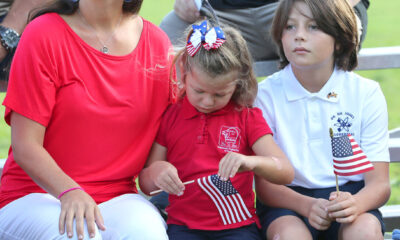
(343, 208)
(80, 206)
(232, 163)
(318, 215)
(166, 178)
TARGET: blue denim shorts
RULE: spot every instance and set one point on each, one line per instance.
(178, 232)
(268, 214)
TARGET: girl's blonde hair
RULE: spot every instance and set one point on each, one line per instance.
(233, 55)
(334, 17)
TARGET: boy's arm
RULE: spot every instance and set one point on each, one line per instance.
(283, 197)
(160, 174)
(376, 192)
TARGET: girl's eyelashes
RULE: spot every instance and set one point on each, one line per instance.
(198, 91)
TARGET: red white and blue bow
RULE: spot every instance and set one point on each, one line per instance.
(210, 39)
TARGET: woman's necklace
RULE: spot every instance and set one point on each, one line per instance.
(104, 48)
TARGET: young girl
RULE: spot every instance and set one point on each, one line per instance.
(316, 91)
(214, 137)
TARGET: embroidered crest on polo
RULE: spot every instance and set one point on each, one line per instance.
(229, 139)
(342, 123)
(209, 38)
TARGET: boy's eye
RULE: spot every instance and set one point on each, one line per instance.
(289, 27)
(313, 27)
(219, 95)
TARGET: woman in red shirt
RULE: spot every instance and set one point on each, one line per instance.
(84, 78)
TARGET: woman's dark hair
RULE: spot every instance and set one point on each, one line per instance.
(68, 7)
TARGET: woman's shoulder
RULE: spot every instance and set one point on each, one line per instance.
(46, 26)
(156, 35)
(45, 23)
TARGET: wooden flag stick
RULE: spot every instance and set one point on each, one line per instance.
(159, 190)
(337, 182)
(337, 186)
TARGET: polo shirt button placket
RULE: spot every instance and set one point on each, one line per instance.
(200, 136)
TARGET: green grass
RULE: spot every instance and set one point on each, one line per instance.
(382, 31)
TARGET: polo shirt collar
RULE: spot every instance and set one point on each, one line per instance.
(295, 91)
(190, 112)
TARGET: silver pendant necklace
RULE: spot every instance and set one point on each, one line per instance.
(104, 48)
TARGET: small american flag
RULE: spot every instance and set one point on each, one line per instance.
(348, 158)
(228, 201)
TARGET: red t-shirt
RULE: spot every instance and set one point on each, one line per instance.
(195, 143)
(101, 112)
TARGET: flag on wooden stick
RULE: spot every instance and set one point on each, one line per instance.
(348, 158)
(226, 198)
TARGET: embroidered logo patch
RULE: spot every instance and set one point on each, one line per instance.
(229, 139)
(342, 122)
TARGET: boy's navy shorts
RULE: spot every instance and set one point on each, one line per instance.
(179, 232)
(268, 214)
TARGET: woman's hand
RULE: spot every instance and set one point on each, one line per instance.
(232, 163)
(318, 215)
(166, 177)
(78, 205)
(343, 207)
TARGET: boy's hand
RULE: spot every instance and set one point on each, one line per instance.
(232, 163)
(318, 215)
(166, 178)
(343, 207)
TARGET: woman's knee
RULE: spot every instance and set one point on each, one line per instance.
(133, 217)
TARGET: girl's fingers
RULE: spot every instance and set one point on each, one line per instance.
(172, 184)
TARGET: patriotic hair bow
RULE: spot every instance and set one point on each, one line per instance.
(210, 39)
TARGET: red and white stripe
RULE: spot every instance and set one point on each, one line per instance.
(356, 164)
(231, 208)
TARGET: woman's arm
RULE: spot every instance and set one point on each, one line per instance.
(160, 174)
(27, 144)
(269, 163)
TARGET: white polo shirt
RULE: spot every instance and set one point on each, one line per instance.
(300, 121)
